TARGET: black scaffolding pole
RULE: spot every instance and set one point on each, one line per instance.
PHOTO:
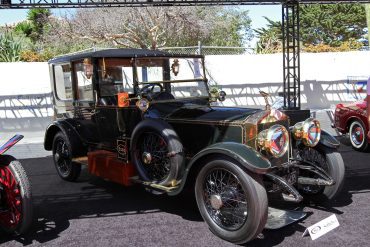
(291, 55)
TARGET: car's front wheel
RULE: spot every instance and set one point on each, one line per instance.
(62, 156)
(357, 136)
(332, 163)
(233, 203)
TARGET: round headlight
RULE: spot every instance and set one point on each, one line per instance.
(274, 140)
(308, 131)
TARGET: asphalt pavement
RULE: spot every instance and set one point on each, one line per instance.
(95, 212)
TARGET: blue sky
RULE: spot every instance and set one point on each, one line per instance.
(256, 13)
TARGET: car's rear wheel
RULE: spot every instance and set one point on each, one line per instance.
(15, 197)
(357, 136)
(233, 203)
(62, 156)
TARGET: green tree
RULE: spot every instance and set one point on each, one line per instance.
(269, 39)
(35, 25)
(234, 28)
(39, 19)
(367, 9)
(24, 27)
(334, 25)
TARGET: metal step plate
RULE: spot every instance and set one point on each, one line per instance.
(278, 218)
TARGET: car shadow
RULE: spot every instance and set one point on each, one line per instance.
(94, 198)
(57, 202)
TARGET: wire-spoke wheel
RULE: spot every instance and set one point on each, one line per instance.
(331, 162)
(233, 203)
(156, 152)
(62, 157)
(15, 198)
(357, 136)
(225, 199)
(153, 155)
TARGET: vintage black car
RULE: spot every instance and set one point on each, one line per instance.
(149, 117)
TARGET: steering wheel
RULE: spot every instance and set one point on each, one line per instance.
(148, 90)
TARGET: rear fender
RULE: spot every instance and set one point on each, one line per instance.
(78, 147)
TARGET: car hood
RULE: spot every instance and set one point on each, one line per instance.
(354, 105)
(199, 112)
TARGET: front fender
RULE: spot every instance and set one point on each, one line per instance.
(328, 140)
(248, 158)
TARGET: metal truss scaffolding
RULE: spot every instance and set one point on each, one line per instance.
(291, 54)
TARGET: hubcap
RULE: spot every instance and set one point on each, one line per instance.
(225, 199)
(152, 152)
(11, 211)
(216, 202)
(147, 158)
(357, 135)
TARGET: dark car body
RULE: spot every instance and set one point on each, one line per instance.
(149, 117)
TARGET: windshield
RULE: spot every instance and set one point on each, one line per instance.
(184, 76)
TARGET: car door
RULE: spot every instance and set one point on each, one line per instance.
(115, 75)
(84, 104)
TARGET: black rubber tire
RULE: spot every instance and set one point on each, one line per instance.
(364, 145)
(256, 200)
(165, 131)
(73, 168)
(335, 168)
(26, 195)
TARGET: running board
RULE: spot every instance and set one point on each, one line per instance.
(81, 160)
(154, 186)
(278, 218)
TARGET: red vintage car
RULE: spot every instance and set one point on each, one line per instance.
(351, 118)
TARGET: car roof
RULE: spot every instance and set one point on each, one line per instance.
(117, 53)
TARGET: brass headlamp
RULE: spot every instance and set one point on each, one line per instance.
(307, 131)
(274, 140)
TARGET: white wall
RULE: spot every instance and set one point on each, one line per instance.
(323, 76)
(24, 78)
(25, 102)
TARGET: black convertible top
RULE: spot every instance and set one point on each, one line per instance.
(126, 53)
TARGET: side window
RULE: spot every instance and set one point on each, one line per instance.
(115, 76)
(63, 82)
(84, 81)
